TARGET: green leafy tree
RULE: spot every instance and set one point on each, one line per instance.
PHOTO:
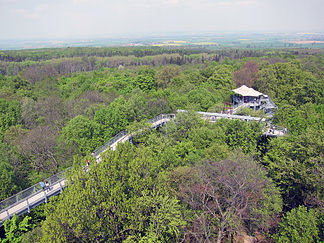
(114, 201)
(180, 128)
(203, 98)
(14, 229)
(298, 225)
(145, 79)
(296, 165)
(288, 83)
(136, 107)
(145, 83)
(165, 218)
(241, 135)
(7, 180)
(122, 82)
(300, 119)
(83, 134)
(222, 78)
(9, 113)
(113, 119)
(75, 85)
(167, 73)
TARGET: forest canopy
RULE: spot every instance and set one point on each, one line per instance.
(190, 180)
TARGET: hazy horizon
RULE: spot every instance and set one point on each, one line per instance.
(58, 19)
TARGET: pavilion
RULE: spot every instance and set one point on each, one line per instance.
(249, 97)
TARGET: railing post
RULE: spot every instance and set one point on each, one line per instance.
(45, 196)
(28, 205)
(61, 187)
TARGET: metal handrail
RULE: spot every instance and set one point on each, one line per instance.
(108, 143)
(26, 193)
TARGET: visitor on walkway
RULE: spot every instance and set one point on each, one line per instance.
(42, 184)
(47, 185)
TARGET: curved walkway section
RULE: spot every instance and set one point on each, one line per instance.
(31, 197)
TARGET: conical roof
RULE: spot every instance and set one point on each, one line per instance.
(246, 91)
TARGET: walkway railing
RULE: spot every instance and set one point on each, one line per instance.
(214, 116)
(25, 194)
(107, 144)
(54, 179)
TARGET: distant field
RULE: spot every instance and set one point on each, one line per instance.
(205, 40)
(307, 42)
(183, 43)
(205, 43)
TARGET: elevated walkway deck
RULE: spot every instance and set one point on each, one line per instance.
(31, 197)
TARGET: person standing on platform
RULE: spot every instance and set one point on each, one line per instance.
(42, 184)
(47, 185)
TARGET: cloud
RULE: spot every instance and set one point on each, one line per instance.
(224, 3)
(80, 1)
(172, 2)
(69, 17)
(247, 3)
(34, 13)
(19, 11)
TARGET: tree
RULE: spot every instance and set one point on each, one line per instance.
(288, 83)
(7, 180)
(145, 83)
(247, 74)
(226, 197)
(118, 199)
(300, 119)
(180, 128)
(240, 134)
(29, 112)
(167, 73)
(222, 78)
(165, 218)
(298, 225)
(83, 134)
(9, 113)
(203, 98)
(39, 145)
(115, 118)
(15, 229)
(145, 79)
(295, 163)
(136, 107)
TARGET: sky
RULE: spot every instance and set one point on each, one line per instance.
(33, 19)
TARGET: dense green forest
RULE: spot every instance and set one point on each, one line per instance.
(188, 181)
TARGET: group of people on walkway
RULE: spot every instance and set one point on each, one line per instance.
(272, 130)
(45, 186)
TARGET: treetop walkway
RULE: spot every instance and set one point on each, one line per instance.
(31, 197)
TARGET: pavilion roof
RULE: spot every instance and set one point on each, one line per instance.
(246, 91)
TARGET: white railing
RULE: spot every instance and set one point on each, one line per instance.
(31, 190)
(59, 178)
(24, 195)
